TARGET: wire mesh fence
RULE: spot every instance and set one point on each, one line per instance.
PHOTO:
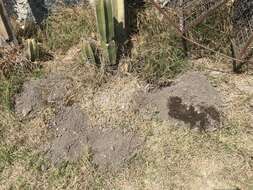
(211, 25)
(193, 12)
(242, 21)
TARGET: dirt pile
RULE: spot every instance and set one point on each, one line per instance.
(73, 135)
(70, 126)
(114, 147)
(108, 148)
(36, 94)
(190, 99)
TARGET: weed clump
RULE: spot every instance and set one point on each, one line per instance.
(157, 55)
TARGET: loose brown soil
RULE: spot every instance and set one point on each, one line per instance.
(190, 99)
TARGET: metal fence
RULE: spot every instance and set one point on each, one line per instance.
(193, 14)
(242, 21)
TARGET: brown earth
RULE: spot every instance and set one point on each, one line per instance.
(191, 99)
(108, 148)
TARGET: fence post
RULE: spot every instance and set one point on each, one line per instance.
(6, 31)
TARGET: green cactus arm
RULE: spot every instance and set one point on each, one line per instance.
(35, 49)
(112, 52)
(89, 52)
(101, 20)
(109, 20)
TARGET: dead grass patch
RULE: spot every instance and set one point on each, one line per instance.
(65, 27)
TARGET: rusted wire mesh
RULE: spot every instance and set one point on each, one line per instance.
(203, 22)
(206, 24)
(193, 12)
(242, 21)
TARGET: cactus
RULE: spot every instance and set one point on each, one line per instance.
(119, 19)
(109, 14)
(119, 11)
(89, 52)
(32, 50)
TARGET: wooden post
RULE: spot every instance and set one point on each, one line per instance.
(6, 31)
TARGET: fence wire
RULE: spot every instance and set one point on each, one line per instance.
(242, 21)
(211, 25)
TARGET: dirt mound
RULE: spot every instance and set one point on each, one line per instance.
(109, 148)
(36, 94)
(114, 147)
(70, 126)
(30, 99)
(190, 99)
(74, 133)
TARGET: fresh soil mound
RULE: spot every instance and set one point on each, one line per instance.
(70, 126)
(36, 94)
(114, 147)
(30, 99)
(190, 99)
(109, 148)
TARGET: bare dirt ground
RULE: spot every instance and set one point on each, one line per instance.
(113, 138)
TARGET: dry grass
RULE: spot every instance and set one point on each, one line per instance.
(157, 55)
(173, 156)
(67, 26)
(14, 69)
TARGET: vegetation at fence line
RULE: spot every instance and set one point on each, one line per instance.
(157, 55)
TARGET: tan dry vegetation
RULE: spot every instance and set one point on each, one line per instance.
(173, 157)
